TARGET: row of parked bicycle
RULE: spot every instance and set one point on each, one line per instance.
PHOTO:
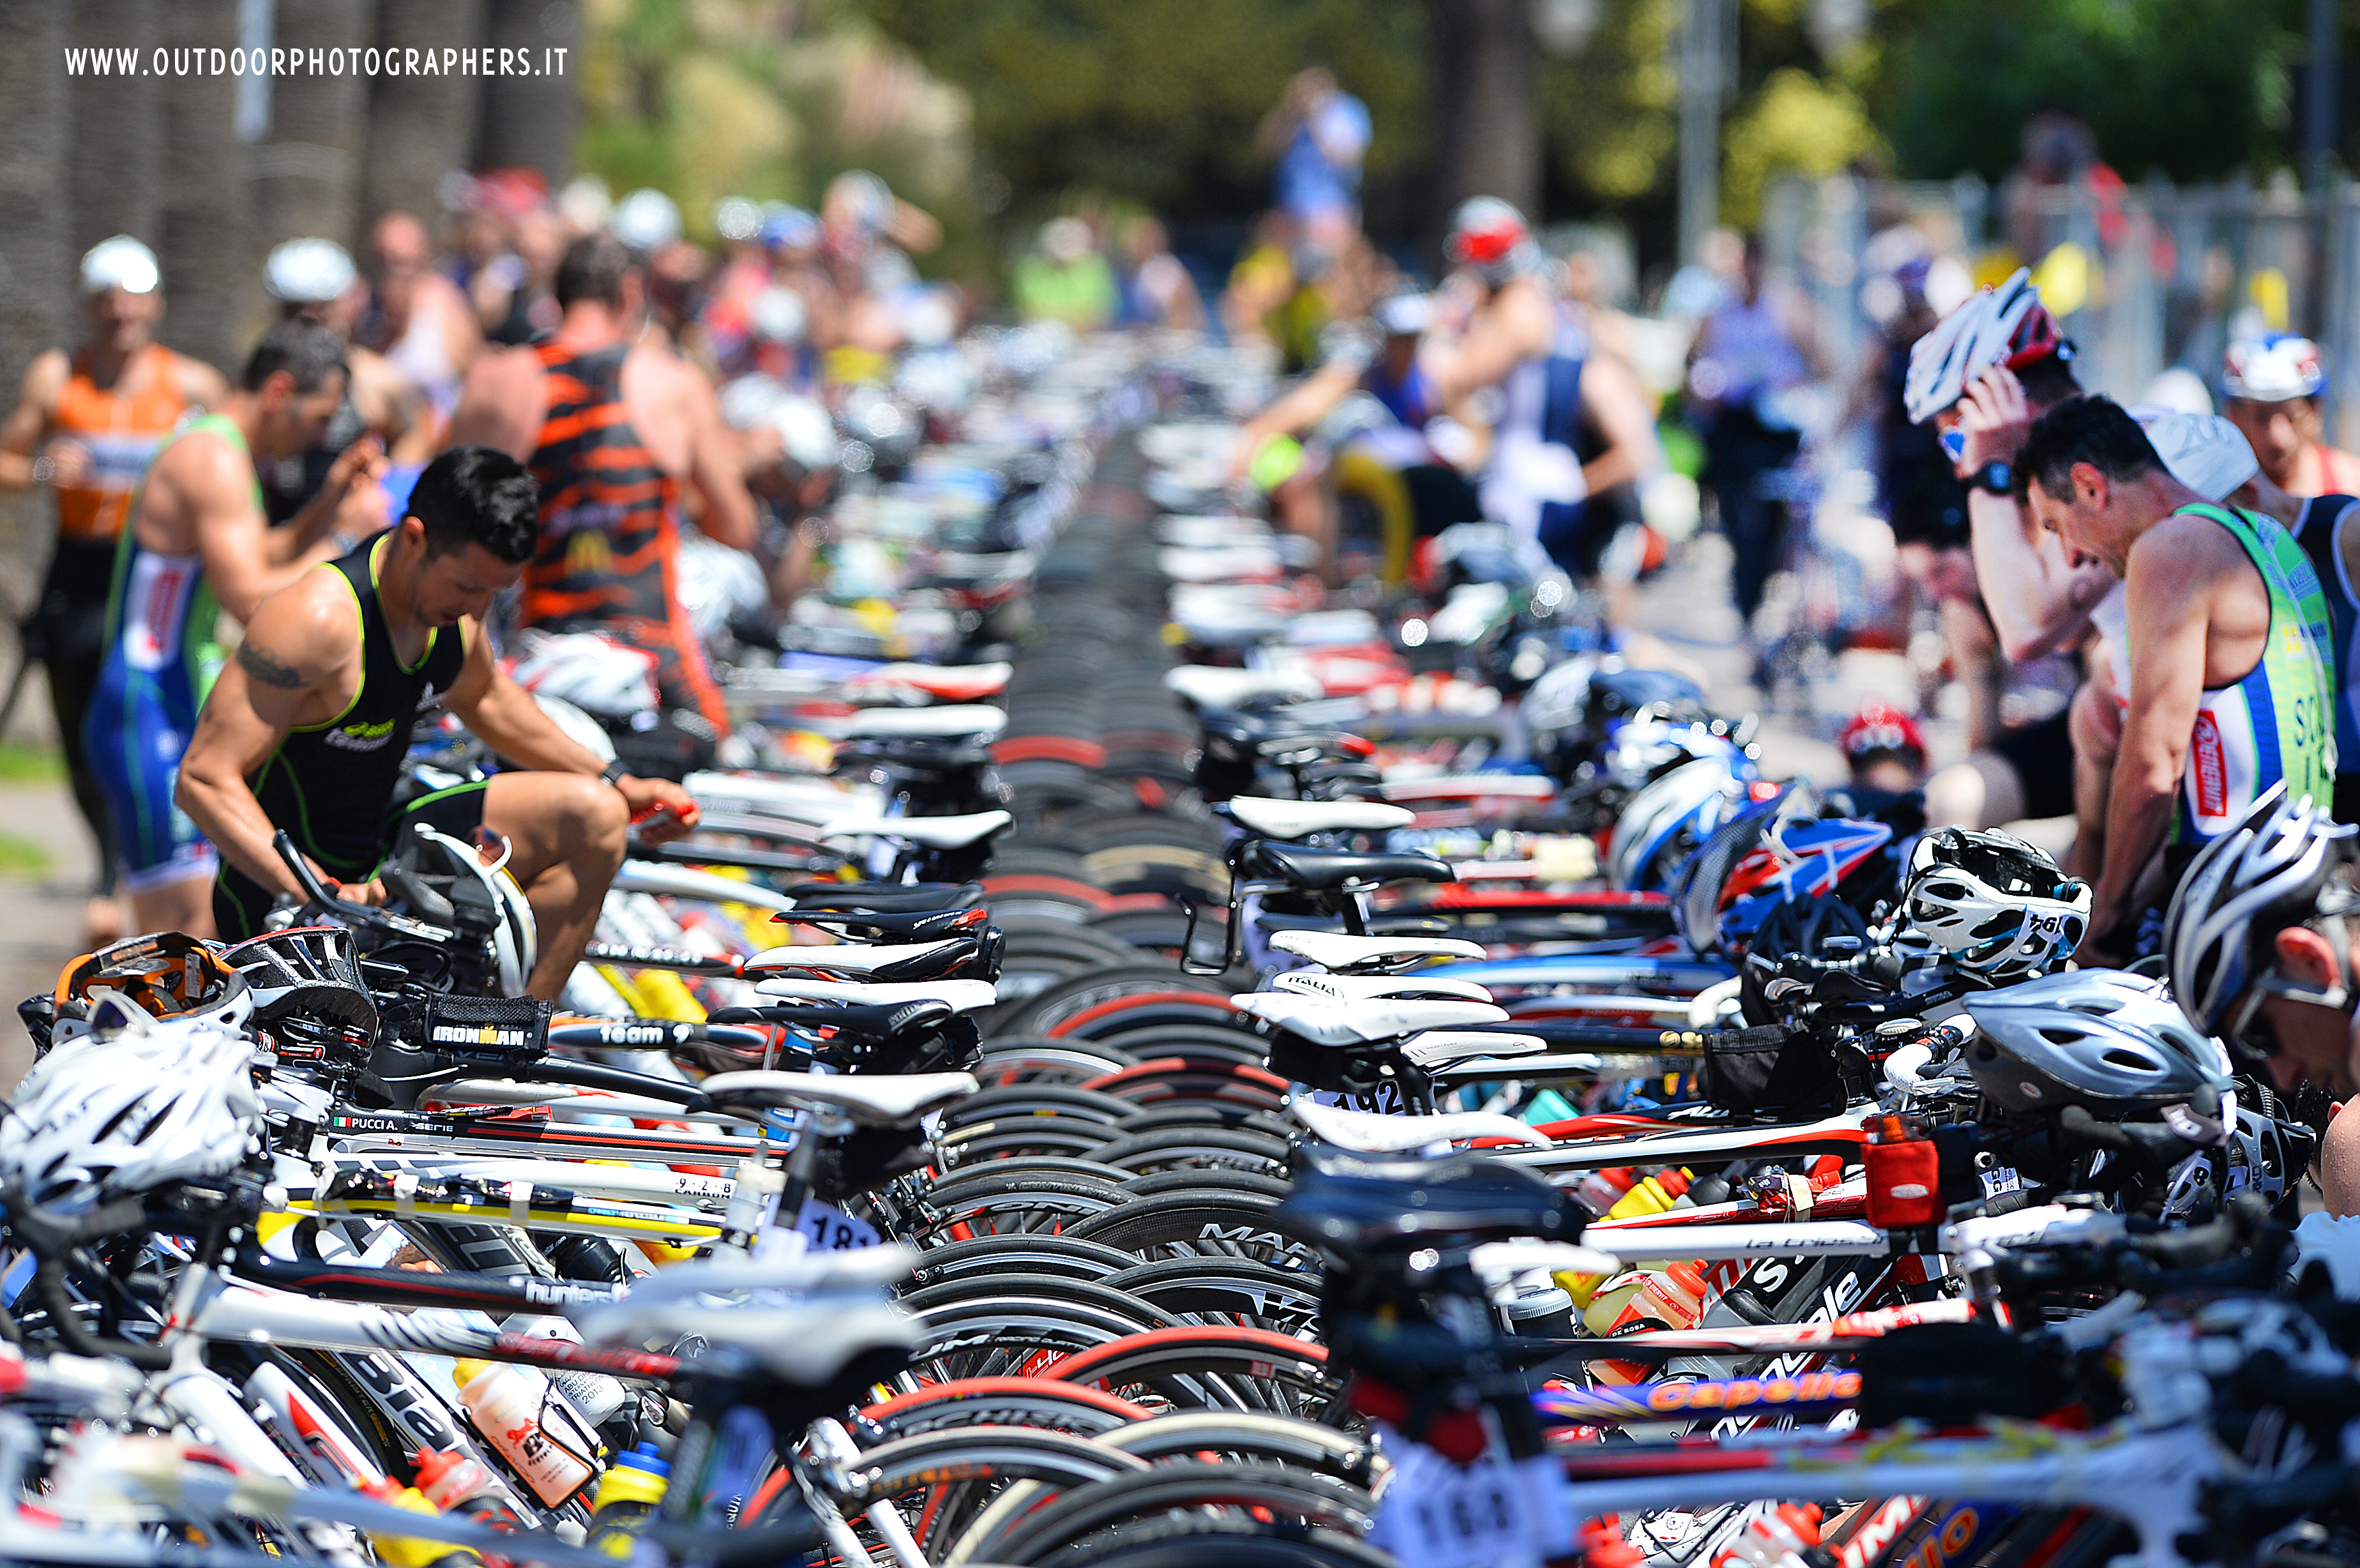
(1176, 1090)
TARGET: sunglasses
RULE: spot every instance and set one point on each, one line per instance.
(1954, 445)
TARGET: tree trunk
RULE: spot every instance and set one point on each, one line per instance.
(529, 121)
(420, 128)
(117, 148)
(212, 267)
(37, 255)
(1487, 129)
(307, 174)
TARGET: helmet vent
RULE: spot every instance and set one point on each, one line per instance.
(2130, 1060)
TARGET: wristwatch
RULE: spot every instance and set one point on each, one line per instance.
(1994, 478)
(614, 773)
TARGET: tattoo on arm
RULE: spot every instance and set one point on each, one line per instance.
(267, 668)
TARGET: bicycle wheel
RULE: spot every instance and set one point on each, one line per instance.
(1268, 1492)
(981, 1204)
(1042, 1014)
(1011, 1324)
(1234, 1544)
(971, 1149)
(1195, 1148)
(1017, 1059)
(1038, 1402)
(1182, 1224)
(1225, 1290)
(940, 1481)
(1178, 1078)
(1207, 1367)
(1059, 1254)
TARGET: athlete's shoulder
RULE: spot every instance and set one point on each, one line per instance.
(46, 377)
(205, 461)
(312, 622)
(195, 381)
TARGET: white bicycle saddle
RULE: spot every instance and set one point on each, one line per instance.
(1335, 950)
(1368, 988)
(844, 958)
(935, 833)
(1367, 1132)
(951, 722)
(964, 995)
(1326, 1020)
(1293, 819)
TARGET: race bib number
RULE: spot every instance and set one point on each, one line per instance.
(2002, 1178)
(825, 1228)
(1385, 1100)
(1491, 1515)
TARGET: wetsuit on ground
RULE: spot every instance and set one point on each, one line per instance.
(331, 785)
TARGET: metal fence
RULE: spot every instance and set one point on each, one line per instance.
(2146, 277)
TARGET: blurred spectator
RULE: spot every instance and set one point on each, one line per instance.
(1157, 289)
(416, 317)
(2057, 151)
(743, 277)
(1261, 281)
(1320, 135)
(793, 238)
(1750, 349)
(2271, 386)
(1064, 278)
(314, 280)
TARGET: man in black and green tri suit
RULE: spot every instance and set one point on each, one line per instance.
(307, 727)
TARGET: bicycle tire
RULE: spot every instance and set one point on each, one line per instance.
(1177, 1078)
(1017, 1059)
(1042, 1403)
(971, 1149)
(1070, 1101)
(1207, 1367)
(1061, 1255)
(1193, 1041)
(1196, 1148)
(1157, 1182)
(1271, 1490)
(1229, 1291)
(1026, 1328)
(1234, 1544)
(1184, 1225)
(1040, 1013)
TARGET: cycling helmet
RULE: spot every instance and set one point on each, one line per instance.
(1800, 857)
(2096, 1037)
(1997, 904)
(167, 975)
(2276, 868)
(119, 262)
(2273, 369)
(309, 272)
(595, 674)
(514, 936)
(1801, 926)
(306, 972)
(646, 220)
(1666, 821)
(1489, 236)
(2007, 325)
(1879, 726)
(141, 1101)
(1695, 890)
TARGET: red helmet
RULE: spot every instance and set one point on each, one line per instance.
(1881, 726)
(1484, 232)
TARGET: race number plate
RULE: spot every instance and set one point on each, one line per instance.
(1490, 1515)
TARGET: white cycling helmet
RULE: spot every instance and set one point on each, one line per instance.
(646, 220)
(2278, 867)
(2097, 1037)
(139, 1102)
(1999, 906)
(1664, 823)
(2273, 369)
(516, 939)
(2007, 325)
(595, 674)
(310, 271)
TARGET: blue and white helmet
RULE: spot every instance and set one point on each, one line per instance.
(1664, 823)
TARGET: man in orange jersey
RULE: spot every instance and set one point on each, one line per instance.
(85, 424)
(613, 427)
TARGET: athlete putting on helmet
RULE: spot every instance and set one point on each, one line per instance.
(2229, 686)
(306, 731)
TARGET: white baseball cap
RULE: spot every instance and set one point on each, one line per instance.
(309, 272)
(2204, 452)
(647, 219)
(121, 263)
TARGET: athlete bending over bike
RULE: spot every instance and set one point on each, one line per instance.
(307, 728)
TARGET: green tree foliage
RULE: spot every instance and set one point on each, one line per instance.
(2195, 87)
(1159, 99)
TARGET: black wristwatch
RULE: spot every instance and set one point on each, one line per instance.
(614, 773)
(1994, 478)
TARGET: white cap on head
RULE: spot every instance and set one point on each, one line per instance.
(646, 219)
(121, 263)
(307, 272)
(736, 218)
(2204, 452)
(806, 432)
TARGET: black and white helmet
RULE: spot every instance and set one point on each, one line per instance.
(1998, 905)
(2007, 325)
(2101, 1039)
(2276, 868)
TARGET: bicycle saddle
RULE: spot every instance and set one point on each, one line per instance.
(888, 1101)
(959, 721)
(1366, 1132)
(960, 996)
(882, 898)
(1327, 1020)
(933, 833)
(874, 1024)
(1206, 686)
(952, 682)
(1293, 819)
(1378, 987)
(1325, 870)
(1338, 951)
(1350, 1202)
(919, 925)
(895, 961)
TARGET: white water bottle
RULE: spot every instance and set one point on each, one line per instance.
(594, 1393)
(509, 1405)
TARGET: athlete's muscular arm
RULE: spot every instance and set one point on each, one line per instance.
(2039, 599)
(2174, 571)
(1517, 325)
(1302, 406)
(20, 433)
(210, 484)
(715, 467)
(501, 404)
(505, 717)
(298, 655)
(1613, 396)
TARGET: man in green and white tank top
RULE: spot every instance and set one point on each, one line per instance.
(2232, 685)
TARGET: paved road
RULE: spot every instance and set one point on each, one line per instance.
(41, 917)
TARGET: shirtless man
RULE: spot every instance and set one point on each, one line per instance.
(2229, 689)
(307, 730)
(197, 546)
(86, 423)
(416, 317)
(612, 428)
